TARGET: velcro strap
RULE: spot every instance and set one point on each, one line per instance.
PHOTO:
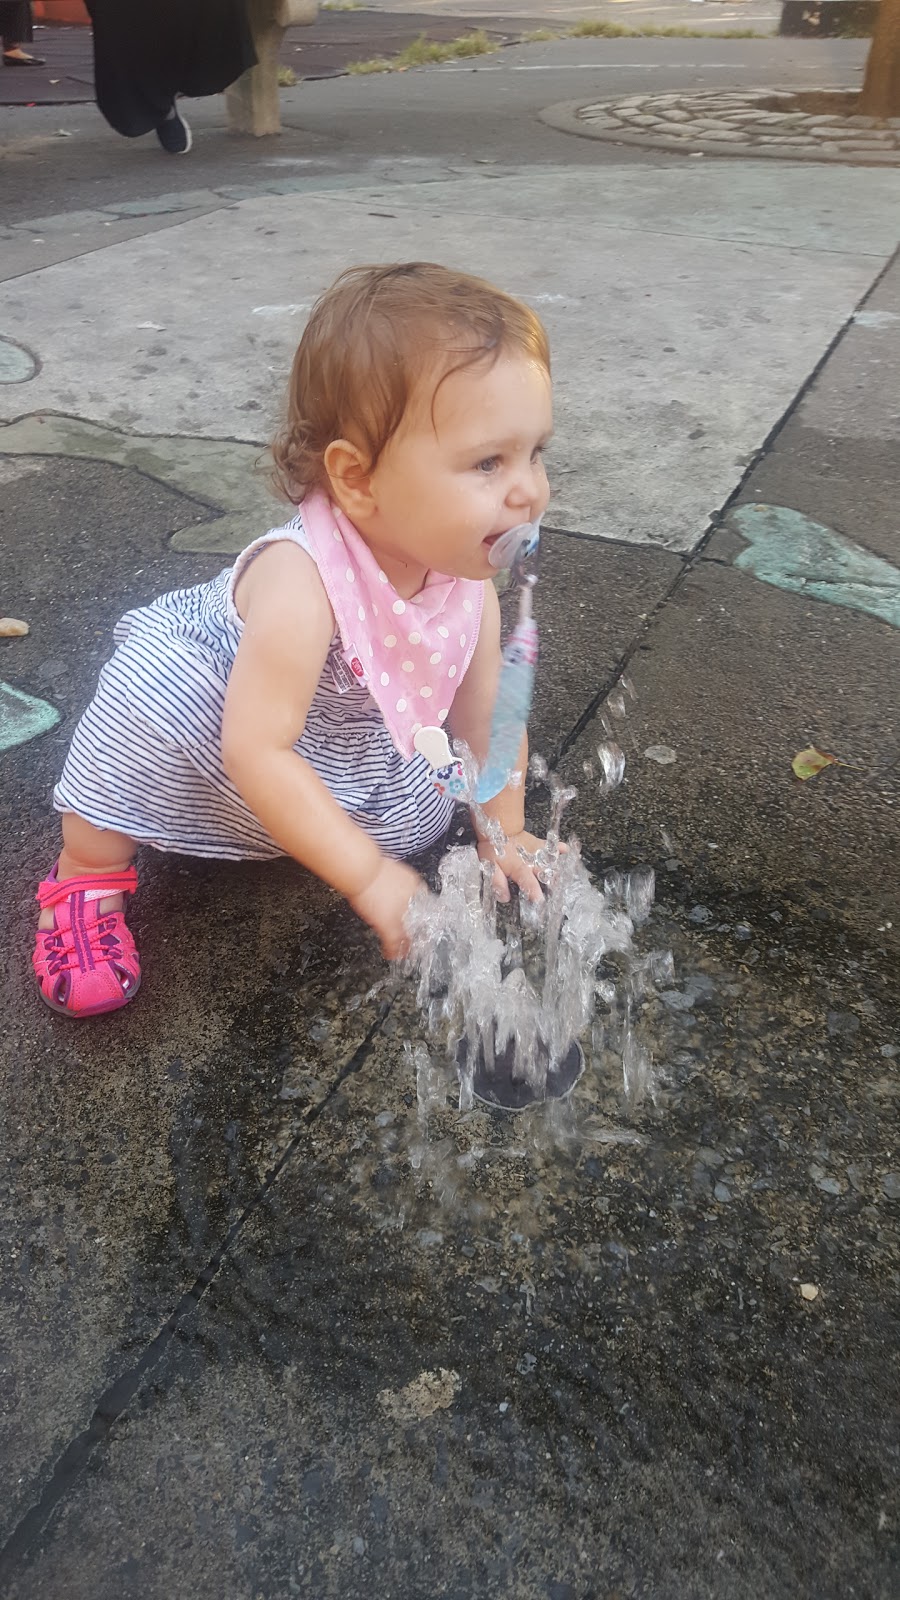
(51, 893)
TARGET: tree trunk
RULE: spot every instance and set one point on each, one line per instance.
(881, 89)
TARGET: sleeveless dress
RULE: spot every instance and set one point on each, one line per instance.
(146, 757)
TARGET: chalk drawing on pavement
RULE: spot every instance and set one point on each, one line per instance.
(17, 364)
(794, 553)
(224, 475)
(875, 319)
(22, 717)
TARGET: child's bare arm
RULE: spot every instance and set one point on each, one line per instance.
(470, 719)
(288, 626)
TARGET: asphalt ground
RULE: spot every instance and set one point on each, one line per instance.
(359, 33)
(322, 50)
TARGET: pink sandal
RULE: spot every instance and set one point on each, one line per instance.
(87, 962)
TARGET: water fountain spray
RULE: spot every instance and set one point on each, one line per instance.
(510, 990)
(512, 706)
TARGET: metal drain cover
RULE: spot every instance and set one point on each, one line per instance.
(508, 1091)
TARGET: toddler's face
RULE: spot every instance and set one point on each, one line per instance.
(464, 466)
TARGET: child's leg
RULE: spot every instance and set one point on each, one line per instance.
(86, 851)
(84, 958)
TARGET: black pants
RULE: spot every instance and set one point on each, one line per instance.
(147, 51)
(15, 22)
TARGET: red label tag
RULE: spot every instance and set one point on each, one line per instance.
(346, 669)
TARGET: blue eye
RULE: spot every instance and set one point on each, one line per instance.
(489, 464)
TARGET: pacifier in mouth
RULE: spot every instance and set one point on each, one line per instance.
(515, 544)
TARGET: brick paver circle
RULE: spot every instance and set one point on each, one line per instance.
(758, 122)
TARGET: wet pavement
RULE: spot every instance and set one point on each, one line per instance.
(249, 1351)
(591, 1370)
(263, 1335)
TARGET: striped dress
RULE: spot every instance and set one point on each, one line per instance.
(146, 757)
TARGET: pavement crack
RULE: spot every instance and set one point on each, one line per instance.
(591, 709)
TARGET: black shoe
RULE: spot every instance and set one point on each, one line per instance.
(174, 134)
(9, 60)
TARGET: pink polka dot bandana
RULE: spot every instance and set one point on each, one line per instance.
(412, 655)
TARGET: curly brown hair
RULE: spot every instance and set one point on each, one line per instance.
(370, 339)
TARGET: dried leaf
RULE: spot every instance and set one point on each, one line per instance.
(810, 761)
(12, 628)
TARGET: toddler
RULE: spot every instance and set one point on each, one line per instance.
(275, 709)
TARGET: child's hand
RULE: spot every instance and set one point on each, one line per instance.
(384, 904)
(510, 867)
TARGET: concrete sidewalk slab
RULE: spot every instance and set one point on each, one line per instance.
(835, 460)
(695, 338)
(24, 250)
(858, 400)
(738, 677)
(593, 598)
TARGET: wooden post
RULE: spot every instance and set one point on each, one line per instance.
(881, 88)
(252, 103)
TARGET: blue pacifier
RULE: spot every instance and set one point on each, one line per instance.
(515, 544)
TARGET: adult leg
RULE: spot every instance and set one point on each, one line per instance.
(16, 30)
(137, 50)
(147, 51)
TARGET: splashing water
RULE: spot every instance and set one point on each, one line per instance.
(509, 992)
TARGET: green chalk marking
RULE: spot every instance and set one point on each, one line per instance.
(17, 364)
(22, 717)
(803, 557)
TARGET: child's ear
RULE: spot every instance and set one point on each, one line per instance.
(350, 479)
